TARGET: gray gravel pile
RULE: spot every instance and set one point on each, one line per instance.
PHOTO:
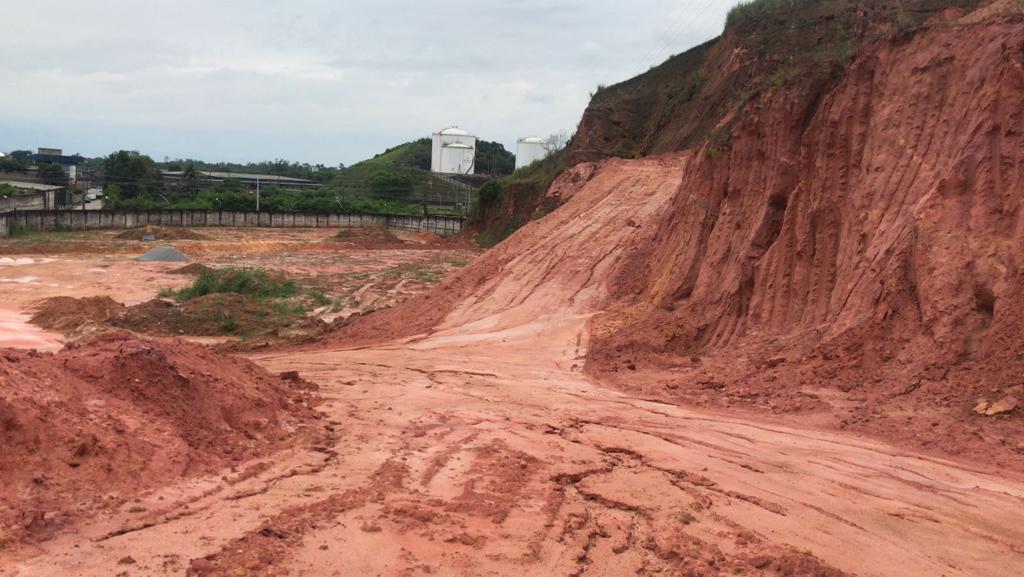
(164, 254)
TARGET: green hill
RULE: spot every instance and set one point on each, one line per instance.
(403, 173)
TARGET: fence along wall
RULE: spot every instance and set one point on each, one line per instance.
(39, 220)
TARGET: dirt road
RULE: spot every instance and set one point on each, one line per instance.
(481, 449)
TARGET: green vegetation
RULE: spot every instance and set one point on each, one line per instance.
(754, 11)
(799, 46)
(52, 174)
(493, 159)
(250, 282)
(7, 190)
(504, 205)
(397, 181)
(132, 176)
(230, 195)
(278, 167)
(9, 164)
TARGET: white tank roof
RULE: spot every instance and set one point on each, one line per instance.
(531, 140)
(454, 131)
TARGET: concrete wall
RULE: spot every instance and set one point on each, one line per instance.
(38, 220)
(27, 201)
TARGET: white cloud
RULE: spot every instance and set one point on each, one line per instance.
(316, 80)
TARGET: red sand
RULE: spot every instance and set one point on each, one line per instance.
(94, 424)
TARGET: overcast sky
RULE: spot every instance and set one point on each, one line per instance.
(322, 81)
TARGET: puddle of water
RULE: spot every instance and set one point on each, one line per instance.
(22, 261)
(17, 332)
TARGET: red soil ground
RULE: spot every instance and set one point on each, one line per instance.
(825, 268)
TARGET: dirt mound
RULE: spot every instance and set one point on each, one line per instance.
(163, 254)
(153, 232)
(194, 269)
(217, 314)
(121, 414)
(68, 314)
(367, 237)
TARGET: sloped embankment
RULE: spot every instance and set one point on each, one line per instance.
(859, 250)
(845, 244)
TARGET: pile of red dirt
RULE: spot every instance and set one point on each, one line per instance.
(367, 237)
(194, 269)
(213, 315)
(88, 427)
(67, 314)
(161, 233)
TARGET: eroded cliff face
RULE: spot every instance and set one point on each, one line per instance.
(870, 234)
(846, 246)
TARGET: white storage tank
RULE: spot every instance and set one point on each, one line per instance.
(529, 150)
(453, 151)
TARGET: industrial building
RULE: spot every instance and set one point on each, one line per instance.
(249, 180)
(453, 151)
(53, 156)
(529, 150)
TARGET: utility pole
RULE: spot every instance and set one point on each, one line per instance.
(257, 195)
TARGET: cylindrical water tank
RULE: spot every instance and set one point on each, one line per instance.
(529, 150)
(453, 151)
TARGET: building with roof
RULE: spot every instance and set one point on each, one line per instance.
(33, 196)
(245, 178)
(54, 156)
(453, 151)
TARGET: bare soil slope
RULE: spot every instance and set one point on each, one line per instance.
(868, 257)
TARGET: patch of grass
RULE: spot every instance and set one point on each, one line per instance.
(289, 308)
(254, 283)
(318, 297)
(423, 272)
(228, 324)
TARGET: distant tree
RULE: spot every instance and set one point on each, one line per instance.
(11, 164)
(490, 193)
(229, 185)
(492, 158)
(556, 142)
(391, 184)
(135, 174)
(52, 174)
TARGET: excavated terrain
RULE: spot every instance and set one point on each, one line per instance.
(865, 259)
(480, 447)
(836, 283)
